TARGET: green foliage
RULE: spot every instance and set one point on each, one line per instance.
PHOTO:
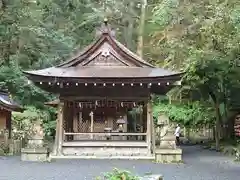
(201, 38)
(237, 151)
(189, 115)
(181, 29)
(13, 79)
(35, 35)
(4, 148)
(23, 122)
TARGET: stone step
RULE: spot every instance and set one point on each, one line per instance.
(111, 154)
(103, 157)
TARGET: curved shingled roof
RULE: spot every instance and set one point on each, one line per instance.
(7, 103)
(105, 58)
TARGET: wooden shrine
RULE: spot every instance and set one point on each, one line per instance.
(97, 88)
(7, 105)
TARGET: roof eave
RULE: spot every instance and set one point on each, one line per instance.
(12, 108)
(36, 77)
(53, 103)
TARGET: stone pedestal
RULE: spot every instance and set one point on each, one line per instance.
(34, 154)
(168, 155)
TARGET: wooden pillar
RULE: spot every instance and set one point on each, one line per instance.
(75, 121)
(59, 131)
(125, 127)
(70, 120)
(149, 125)
(141, 122)
(91, 126)
(9, 123)
(153, 134)
(80, 122)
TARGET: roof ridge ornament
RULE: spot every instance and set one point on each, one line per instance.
(105, 29)
(105, 21)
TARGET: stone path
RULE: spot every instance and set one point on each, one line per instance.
(199, 164)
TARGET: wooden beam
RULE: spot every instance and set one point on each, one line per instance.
(69, 98)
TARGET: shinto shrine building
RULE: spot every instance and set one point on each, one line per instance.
(97, 88)
(7, 106)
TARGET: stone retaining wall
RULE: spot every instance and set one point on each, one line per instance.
(152, 177)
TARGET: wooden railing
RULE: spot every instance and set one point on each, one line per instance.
(110, 133)
(103, 136)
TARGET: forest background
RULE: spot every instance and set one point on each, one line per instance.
(201, 38)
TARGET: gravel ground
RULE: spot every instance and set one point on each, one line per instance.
(199, 164)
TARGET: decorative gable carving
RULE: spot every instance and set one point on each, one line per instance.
(105, 53)
(105, 56)
(104, 59)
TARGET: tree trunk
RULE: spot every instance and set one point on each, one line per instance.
(217, 126)
(141, 28)
(129, 30)
(218, 119)
(188, 133)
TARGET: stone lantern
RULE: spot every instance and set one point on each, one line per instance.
(166, 151)
(120, 123)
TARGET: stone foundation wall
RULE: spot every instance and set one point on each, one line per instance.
(168, 155)
(152, 177)
(105, 151)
